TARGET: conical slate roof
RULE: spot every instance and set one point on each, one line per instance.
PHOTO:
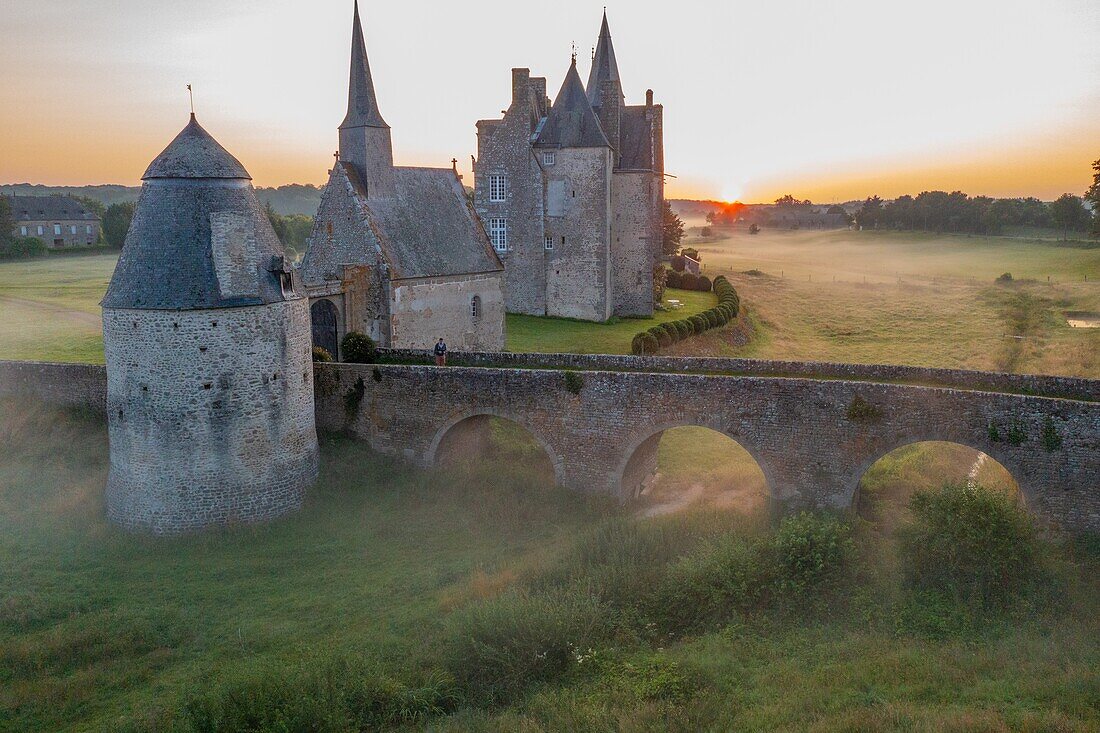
(571, 122)
(604, 65)
(362, 101)
(199, 238)
(195, 154)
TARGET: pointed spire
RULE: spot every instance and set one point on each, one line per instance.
(572, 123)
(604, 65)
(362, 101)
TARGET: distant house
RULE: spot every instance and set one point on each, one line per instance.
(59, 221)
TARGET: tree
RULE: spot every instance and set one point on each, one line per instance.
(116, 223)
(1093, 197)
(1068, 212)
(7, 223)
(870, 214)
(672, 228)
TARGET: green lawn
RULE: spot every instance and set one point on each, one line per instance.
(389, 566)
(558, 335)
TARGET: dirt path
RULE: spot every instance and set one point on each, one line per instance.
(972, 476)
(55, 311)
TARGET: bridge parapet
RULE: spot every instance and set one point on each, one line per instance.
(1026, 384)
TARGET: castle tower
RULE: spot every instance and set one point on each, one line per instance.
(364, 136)
(605, 68)
(207, 337)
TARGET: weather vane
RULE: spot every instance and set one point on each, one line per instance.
(191, 95)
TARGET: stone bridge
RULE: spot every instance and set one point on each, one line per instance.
(814, 429)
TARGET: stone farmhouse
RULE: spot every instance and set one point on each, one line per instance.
(59, 221)
(397, 253)
(572, 192)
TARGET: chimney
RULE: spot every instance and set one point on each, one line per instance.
(648, 97)
(521, 85)
(611, 94)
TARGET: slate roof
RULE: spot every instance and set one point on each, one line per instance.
(428, 228)
(635, 140)
(43, 208)
(362, 100)
(571, 122)
(195, 154)
(604, 65)
(169, 260)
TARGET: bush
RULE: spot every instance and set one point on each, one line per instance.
(688, 281)
(499, 648)
(574, 382)
(321, 354)
(683, 328)
(699, 324)
(672, 279)
(662, 336)
(972, 545)
(1005, 277)
(814, 555)
(703, 284)
(358, 348)
(644, 343)
(23, 247)
(669, 329)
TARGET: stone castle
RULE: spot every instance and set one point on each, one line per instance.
(572, 193)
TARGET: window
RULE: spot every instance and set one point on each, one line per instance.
(40, 231)
(56, 229)
(498, 234)
(549, 158)
(475, 308)
(72, 229)
(498, 188)
(549, 244)
(23, 231)
(88, 229)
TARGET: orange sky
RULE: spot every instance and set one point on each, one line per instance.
(828, 101)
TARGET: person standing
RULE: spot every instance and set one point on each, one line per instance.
(441, 353)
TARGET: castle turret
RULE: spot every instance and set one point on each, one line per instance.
(207, 338)
(364, 136)
(604, 68)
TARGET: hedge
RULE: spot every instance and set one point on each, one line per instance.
(666, 334)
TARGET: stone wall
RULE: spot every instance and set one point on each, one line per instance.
(427, 309)
(578, 269)
(633, 249)
(71, 385)
(210, 415)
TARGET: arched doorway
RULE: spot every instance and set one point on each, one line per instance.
(888, 484)
(497, 445)
(324, 318)
(691, 466)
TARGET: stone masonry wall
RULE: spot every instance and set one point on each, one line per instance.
(210, 415)
(427, 309)
(633, 252)
(798, 430)
(72, 385)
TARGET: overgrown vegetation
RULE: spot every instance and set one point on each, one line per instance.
(478, 599)
(358, 348)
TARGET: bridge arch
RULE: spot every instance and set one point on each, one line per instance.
(638, 463)
(994, 452)
(471, 418)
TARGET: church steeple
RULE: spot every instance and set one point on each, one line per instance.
(604, 66)
(364, 136)
(362, 101)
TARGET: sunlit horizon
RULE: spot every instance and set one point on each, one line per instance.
(827, 102)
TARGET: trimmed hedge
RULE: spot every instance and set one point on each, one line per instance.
(666, 334)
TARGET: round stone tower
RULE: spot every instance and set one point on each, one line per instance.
(209, 369)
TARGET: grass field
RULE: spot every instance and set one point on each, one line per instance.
(392, 568)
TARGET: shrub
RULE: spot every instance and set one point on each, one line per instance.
(683, 328)
(663, 339)
(703, 284)
(814, 554)
(669, 329)
(22, 247)
(862, 411)
(970, 544)
(672, 279)
(688, 281)
(712, 318)
(499, 648)
(1004, 277)
(321, 354)
(1050, 438)
(358, 348)
(699, 324)
(574, 382)
(645, 343)
(754, 229)
(677, 263)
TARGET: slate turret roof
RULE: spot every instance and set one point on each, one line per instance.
(199, 238)
(362, 100)
(572, 123)
(604, 66)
